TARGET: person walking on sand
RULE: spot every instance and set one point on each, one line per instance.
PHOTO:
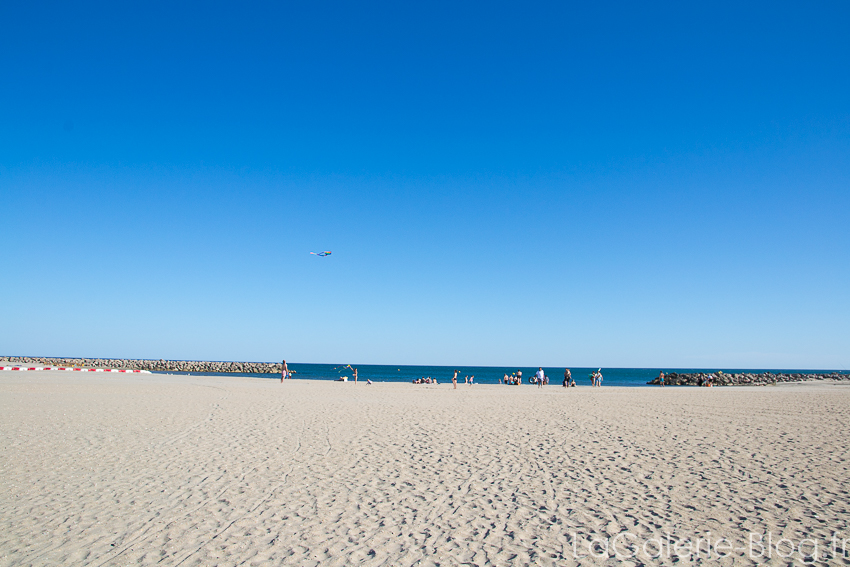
(454, 380)
(284, 372)
(539, 376)
(567, 378)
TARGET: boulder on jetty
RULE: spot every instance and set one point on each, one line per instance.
(744, 379)
(200, 366)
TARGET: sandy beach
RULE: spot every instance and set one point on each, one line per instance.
(199, 471)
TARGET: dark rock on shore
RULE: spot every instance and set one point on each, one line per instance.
(199, 366)
(745, 379)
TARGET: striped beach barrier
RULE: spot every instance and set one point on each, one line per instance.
(71, 369)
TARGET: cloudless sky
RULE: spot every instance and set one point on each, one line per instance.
(529, 183)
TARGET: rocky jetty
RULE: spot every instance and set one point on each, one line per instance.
(199, 366)
(745, 379)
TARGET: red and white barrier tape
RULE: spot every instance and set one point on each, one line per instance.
(71, 369)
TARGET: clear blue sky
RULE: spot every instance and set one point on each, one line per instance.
(607, 184)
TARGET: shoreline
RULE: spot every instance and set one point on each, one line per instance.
(448, 384)
(632, 377)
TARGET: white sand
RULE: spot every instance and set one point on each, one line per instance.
(175, 470)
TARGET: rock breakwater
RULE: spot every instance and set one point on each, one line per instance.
(200, 366)
(744, 379)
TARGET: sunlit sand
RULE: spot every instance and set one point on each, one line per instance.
(175, 470)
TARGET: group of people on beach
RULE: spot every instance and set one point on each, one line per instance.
(285, 372)
(470, 380)
(515, 379)
(707, 382)
(596, 378)
(345, 378)
(541, 379)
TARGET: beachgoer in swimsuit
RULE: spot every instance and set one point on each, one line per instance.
(284, 371)
(539, 377)
(567, 378)
(454, 380)
(355, 376)
(661, 378)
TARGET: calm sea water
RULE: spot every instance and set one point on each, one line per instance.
(492, 374)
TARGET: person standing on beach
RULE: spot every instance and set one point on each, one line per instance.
(539, 376)
(567, 378)
(599, 378)
(519, 377)
(284, 371)
(661, 378)
(355, 376)
(454, 380)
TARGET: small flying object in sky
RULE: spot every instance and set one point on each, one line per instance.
(325, 253)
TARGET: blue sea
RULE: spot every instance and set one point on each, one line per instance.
(492, 374)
